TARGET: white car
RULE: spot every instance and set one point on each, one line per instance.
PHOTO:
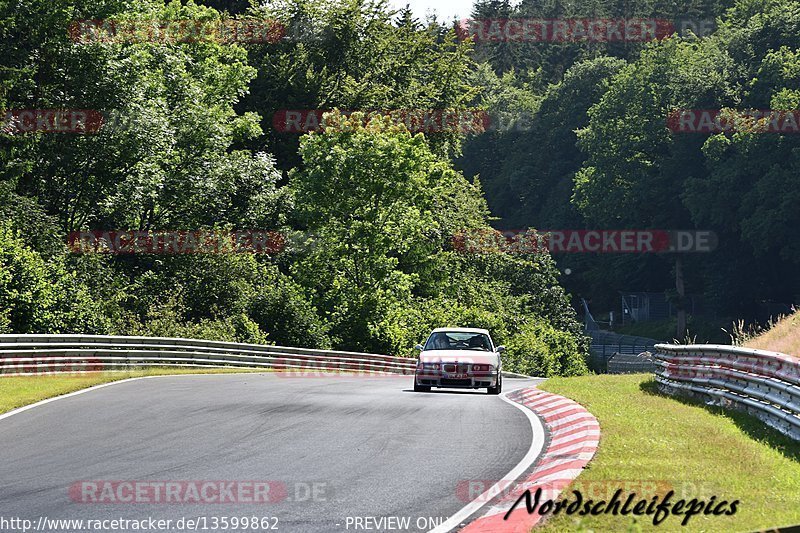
(459, 358)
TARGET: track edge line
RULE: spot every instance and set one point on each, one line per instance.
(533, 453)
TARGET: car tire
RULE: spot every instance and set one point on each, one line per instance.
(421, 388)
(494, 391)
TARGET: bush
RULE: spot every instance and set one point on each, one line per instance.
(209, 285)
(404, 327)
(167, 320)
(541, 350)
(39, 296)
(536, 348)
(25, 291)
(230, 297)
(281, 308)
(33, 225)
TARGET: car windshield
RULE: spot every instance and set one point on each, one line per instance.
(451, 340)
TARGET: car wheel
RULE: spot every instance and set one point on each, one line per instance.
(420, 388)
(498, 389)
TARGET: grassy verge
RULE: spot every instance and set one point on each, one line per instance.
(24, 390)
(695, 450)
(784, 337)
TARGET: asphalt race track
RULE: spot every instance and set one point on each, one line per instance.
(342, 448)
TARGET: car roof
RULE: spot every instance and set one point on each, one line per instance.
(461, 330)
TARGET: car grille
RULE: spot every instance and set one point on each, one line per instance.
(461, 368)
(456, 382)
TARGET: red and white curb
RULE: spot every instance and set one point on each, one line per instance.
(574, 436)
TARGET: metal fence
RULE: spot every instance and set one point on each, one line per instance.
(765, 384)
(606, 344)
(54, 354)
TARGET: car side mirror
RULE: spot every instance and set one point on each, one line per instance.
(500, 349)
(418, 347)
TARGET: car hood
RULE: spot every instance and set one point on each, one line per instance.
(460, 356)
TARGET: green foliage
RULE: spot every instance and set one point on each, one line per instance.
(633, 159)
(380, 204)
(530, 161)
(37, 229)
(166, 320)
(628, 169)
(187, 145)
(534, 348)
(404, 327)
(740, 184)
(553, 59)
(281, 308)
(231, 296)
(351, 55)
(25, 291)
(39, 296)
(544, 351)
(500, 293)
(163, 157)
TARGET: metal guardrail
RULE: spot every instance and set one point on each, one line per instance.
(765, 384)
(55, 354)
(631, 364)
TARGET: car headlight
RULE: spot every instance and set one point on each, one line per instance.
(427, 366)
(482, 368)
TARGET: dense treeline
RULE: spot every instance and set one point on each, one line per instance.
(597, 152)
(580, 139)
(188, 144)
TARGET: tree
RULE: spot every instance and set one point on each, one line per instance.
(634, 160)
(378, 203)
(163, 157)
(383, 211)
(354, 55)
(530, 168)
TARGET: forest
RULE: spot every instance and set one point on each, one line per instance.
(422, 131)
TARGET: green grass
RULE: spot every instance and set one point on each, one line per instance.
(697, 450)
(24, 390)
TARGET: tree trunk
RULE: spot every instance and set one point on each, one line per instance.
(681, 302)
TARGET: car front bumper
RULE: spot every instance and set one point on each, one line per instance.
(470, 381)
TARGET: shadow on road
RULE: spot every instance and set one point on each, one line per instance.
(450, 391)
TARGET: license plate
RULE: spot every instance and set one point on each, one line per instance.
(458, 376)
